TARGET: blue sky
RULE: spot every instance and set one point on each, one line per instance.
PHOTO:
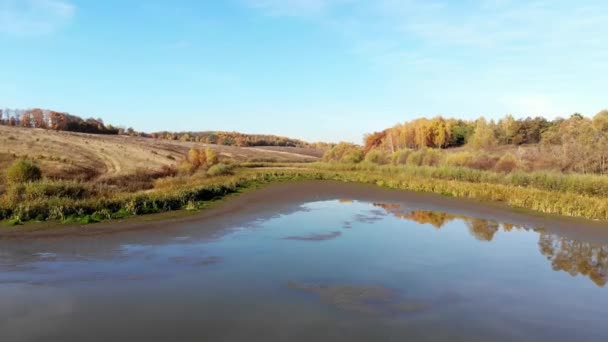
(314, 69)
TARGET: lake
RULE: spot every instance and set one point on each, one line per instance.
(315, 262)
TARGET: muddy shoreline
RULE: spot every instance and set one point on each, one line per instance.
(281, 198)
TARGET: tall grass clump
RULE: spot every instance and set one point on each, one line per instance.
(400, 156)
(47, 189)
(425, 156)
(507, 163)
(220, 170)
(432, 157)
(458, 159)
(377, 156)
(415, 158)
(22, 171)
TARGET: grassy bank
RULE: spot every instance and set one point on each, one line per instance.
(592, 185)
(76, 203)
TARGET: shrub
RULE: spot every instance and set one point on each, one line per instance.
(23, 171)
(141, 179)
(415, 158)
(431, 157)
(482, 161)
(219, 170)
(198, 159)
(399, 157)
(459, 159)
(186, 167)
(352, 157)
(377, 157)
(345, 153)
(212, 157)
(425, 156)
(49, 189)
(507, 163)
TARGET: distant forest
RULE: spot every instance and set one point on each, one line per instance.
(578, 143)
(445, 133)
(232, 139)
(49, 119)
(58, 121)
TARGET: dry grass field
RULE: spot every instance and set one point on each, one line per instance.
(67, 155)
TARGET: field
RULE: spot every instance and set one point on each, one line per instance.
(66, 155)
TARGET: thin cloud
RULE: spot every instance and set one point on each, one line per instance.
(537, 46)
(34, 17)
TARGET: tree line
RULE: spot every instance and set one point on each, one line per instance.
(440, 132)
(58, 121)
(576, 144)
(232, 139)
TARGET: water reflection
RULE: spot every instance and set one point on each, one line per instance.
(568, 255)
(576, 257)
(306, 271)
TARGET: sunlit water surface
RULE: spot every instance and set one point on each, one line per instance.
(332, 270)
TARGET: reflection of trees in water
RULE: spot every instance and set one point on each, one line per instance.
(576, 257)
(434, 218)
(572, 256)
(481, 229)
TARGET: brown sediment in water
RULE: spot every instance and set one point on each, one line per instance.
(362, 299)
(281, 198)
(315, 237)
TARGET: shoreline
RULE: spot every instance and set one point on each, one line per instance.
(257, 202)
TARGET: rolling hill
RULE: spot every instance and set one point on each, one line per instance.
(69, 155)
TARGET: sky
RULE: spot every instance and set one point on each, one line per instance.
(320, 70)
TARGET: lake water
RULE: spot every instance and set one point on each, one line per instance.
(329, 270)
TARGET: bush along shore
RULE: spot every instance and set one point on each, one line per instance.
(567, 195)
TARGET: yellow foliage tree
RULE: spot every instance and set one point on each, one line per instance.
(484, 137)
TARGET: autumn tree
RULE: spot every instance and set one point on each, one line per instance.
(38, 118)
(211, 156)
(26, 120)
(508, 131)
(58, 121)
(344, 152)
(600, 125)
(439, 133)
(484, 137)
(199, 159)
(578, 143)
(373, 140)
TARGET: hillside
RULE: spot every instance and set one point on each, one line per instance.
(69, 155)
